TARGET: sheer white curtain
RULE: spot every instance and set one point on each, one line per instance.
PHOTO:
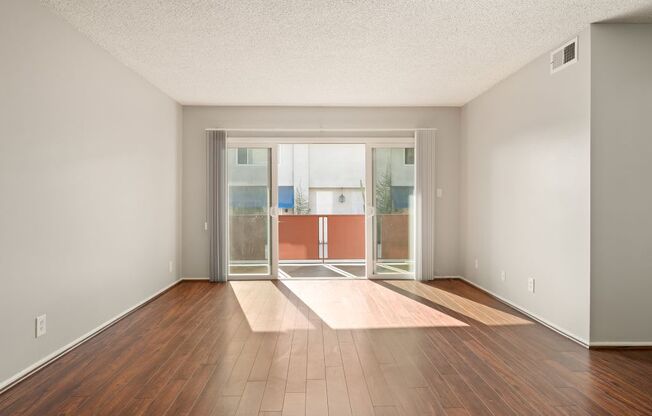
(217, 204)
(425, 204)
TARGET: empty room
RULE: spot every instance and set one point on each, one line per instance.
(325, 208)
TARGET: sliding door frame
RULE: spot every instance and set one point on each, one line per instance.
(371, 213)
(272, 143)
(272, 210)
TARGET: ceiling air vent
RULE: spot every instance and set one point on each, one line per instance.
(562, 57)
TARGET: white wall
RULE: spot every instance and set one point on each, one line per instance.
(197, 119)
(301, 168)
(88, 185)
(621, 170)
(525, 202)
(339, 165)
(321, 166)
(286, 164)
(326, 201)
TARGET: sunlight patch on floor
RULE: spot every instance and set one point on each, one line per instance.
(355, 304)
(460, 304)
(266, 308)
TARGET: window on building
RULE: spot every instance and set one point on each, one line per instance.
(248, 199)
(251, 156)
(401, 196)
(408, 156)
(243, 156)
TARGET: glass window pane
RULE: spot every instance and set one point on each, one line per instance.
(249, 202)
(243, 156)
(256, 157)
(393, 193)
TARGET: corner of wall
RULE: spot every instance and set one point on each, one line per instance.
(621, 88)
(525, 191)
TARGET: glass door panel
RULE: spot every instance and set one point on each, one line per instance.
(321, 206)
(393, 216)
(250, 226)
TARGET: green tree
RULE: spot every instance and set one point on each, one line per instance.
(384, 192)
(301, 204)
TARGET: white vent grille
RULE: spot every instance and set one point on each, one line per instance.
(564, 56)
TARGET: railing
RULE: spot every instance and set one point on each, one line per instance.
(393, 233)
(248, 237)
(316, 237)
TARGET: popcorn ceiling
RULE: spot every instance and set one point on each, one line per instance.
(332, 52)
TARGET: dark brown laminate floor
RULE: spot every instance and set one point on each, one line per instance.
(342, 347)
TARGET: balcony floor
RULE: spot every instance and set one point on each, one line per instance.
(317, 270)
(323, 270)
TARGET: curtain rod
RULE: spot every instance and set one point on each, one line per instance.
(317, 130)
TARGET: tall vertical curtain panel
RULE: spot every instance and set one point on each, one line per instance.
(217, 204)
(425, 204)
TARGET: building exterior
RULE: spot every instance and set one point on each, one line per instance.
(321, 179)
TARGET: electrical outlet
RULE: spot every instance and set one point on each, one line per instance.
(171, 266)
(41, 325)
(530, 285)
(205, 226)
(476, 264)
(503, 275)
(440, 192)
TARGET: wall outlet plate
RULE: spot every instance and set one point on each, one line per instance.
(170, 266)
(503, 275)
(41, 325)
(440, 192)
(476, 264)
(530, 285)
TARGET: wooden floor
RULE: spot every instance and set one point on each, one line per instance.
(333, 348)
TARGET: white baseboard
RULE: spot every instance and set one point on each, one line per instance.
(194, 278)
(562, 331)
(620, 344)
(23, 374)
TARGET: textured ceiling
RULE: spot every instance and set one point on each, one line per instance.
(333, 52)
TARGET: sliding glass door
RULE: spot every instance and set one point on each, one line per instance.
(328, 210)
(391, 219)
(251, 228)
(321, 203)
